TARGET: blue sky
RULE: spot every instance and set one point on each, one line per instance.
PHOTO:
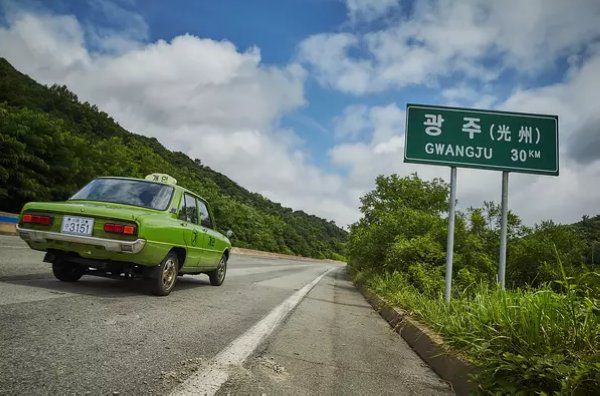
(303, 101)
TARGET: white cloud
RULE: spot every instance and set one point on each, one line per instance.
(564, 198)
(328, 54)
(441, 38)
(28, 43)
(463, 95)
(388, 122)
(200, 96)
(352, 123)
(380, 122)
(125, 31)
(223, 105)
(574, 99)
(368, 10)
(479, 40)
(381, 154)
(577, 190)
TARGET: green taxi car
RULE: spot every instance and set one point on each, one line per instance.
(126, 227)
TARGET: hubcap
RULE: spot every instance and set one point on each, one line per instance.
(169, 274)
(221, 270)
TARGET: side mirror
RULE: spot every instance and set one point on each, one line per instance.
(229, 234)
(173, 211)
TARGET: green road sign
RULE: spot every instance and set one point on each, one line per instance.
(499, 140)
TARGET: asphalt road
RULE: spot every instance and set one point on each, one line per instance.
(100, 336)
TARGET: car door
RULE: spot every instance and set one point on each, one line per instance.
(212, 254)
(188, 215)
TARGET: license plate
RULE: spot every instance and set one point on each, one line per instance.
(77, 225)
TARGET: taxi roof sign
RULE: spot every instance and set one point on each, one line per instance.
(161, 178)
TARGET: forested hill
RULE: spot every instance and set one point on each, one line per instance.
(51, 145)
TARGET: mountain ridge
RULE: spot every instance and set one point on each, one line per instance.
(55, 144)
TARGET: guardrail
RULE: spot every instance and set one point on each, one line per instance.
(8, 222)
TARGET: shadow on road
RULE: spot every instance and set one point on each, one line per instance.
(103, 287)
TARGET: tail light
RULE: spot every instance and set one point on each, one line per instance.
(37, 219)
(126, 229)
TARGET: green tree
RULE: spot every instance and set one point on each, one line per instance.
(52, 145)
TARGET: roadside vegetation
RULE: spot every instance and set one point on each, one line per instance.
(541, 335)
(52, 145)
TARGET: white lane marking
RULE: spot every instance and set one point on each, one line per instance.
(210, 379)
(14, 247)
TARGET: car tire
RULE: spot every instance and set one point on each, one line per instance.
(217, 276)
(66, 271)
(166, 275)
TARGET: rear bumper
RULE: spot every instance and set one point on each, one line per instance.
(110, 245)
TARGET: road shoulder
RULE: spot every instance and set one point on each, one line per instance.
(335, 343)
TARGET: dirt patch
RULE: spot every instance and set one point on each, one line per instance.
(269, 367)
(185, 369)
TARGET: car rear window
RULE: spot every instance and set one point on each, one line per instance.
(128, 192)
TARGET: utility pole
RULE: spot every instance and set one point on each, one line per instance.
(450, 241)
(503, 231)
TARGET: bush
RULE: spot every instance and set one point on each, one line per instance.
(525, 340)
(422, 249)
(398, 210)
(47, 158)
(533, 259)
(543, 336)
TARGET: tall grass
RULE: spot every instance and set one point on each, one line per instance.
(532, 340)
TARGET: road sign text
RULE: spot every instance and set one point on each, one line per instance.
(497, 140)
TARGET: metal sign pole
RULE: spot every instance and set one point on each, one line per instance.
(503, 231)
(450, 242)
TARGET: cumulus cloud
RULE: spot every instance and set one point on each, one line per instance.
(479, 40)
(201, 96)
(577, 190)
(444, 38)
(352, 123)
(327, 53)
(383, 154)
(368, 10)
(224, 105)
(27, 43)
(380, 153)
(124, 31)
(462, 95)
(584, 142)
(564, 198)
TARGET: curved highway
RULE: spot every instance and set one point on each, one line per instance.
(274, 327)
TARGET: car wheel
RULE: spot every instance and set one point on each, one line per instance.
(166, 275)
(66, 271)
(217, 276)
